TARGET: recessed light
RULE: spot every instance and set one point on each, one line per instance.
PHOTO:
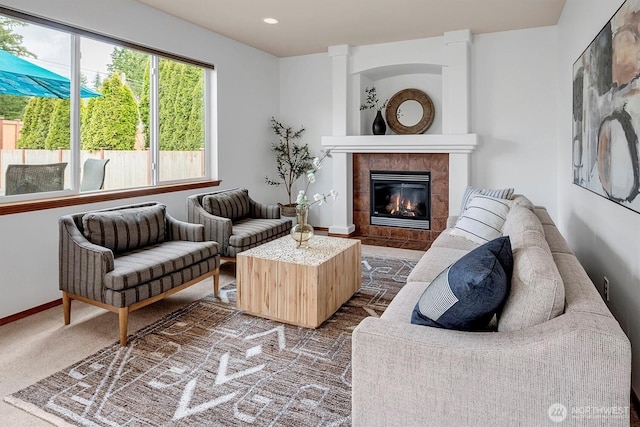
(270, 20)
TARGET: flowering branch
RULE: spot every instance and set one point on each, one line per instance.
(311, 178)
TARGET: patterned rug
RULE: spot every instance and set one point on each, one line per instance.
(211, 364)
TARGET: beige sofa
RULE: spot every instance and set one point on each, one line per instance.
(570, 370)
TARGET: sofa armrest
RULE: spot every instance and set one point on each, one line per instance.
(216, 228)
(261, 210)
(404, 374)
(180, 230)
(82, 264)
(451, 221)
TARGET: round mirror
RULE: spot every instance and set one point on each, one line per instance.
(410, 111)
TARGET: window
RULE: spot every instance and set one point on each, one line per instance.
(181, 106)
(113, 126)
(139, 119)
(35, 137)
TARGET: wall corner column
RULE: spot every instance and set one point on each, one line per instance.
(457, 87)
(342, 221)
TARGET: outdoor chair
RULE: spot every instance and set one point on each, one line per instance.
(93, 174)
(125, 258)
(235, 220)
(23, 179)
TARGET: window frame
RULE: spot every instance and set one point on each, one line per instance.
(73, 196)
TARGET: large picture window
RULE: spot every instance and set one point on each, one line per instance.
(82, 113)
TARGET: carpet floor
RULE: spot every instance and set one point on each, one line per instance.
(210, 364)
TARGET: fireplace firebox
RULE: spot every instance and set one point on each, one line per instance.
(401, 199)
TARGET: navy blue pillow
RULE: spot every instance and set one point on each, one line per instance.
(467, 294)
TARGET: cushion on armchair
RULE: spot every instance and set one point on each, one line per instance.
(154, 262)
(233, 204)
(124, 230)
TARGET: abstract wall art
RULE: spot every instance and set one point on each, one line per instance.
(606, 110)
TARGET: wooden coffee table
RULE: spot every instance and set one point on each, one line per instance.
(302, 287)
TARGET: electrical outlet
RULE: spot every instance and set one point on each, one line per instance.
(606, 288)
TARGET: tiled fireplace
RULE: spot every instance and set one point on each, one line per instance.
(409, 237)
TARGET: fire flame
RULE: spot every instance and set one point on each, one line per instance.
(400, 206)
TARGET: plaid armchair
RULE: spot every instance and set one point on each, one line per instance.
(125, 258)
(235, 220)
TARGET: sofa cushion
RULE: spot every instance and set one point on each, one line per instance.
(543, 215)
(123, 230)
(556, 241)
(483, 219)
(529, 238)
(232, 204)
(433, 262)
(537, 290)
(520, 200)
(140, 266)
(469, 192)
(467, 294)
(252, 232)
(401, 307)
(519, 219)
(448, 240)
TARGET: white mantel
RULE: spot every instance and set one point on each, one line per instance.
(352, 69)
(459, 148)
(451, 143)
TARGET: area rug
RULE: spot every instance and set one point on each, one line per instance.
(210, 364)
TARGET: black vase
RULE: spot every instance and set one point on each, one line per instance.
(379, 126)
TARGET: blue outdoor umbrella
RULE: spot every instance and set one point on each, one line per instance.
(22, 78)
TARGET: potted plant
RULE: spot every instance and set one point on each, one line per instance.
(379, 126)
(293, 160)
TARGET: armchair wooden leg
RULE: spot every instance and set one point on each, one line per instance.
(216, 282)
(66, 307)
(123, 316)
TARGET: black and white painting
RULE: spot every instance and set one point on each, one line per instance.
(606, 110)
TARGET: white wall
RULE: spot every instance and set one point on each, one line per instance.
(305, 100)
(604, 235)
(514, 112)
(248, 95)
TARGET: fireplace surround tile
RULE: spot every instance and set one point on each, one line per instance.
(419, 163)
(398, 161)
(380, 161)
(437, 163)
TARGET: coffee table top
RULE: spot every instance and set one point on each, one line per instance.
(321, 249)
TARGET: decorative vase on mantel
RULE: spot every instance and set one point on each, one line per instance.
(302, 232)
(379, 126)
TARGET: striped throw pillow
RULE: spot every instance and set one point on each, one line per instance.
(232, 204)
(483, 219)
(469, 192)
(123, 230)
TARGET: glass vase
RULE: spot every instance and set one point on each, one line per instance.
(302, 232)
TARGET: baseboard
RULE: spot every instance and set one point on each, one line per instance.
(29, 312)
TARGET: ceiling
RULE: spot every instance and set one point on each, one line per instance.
(311, 26)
